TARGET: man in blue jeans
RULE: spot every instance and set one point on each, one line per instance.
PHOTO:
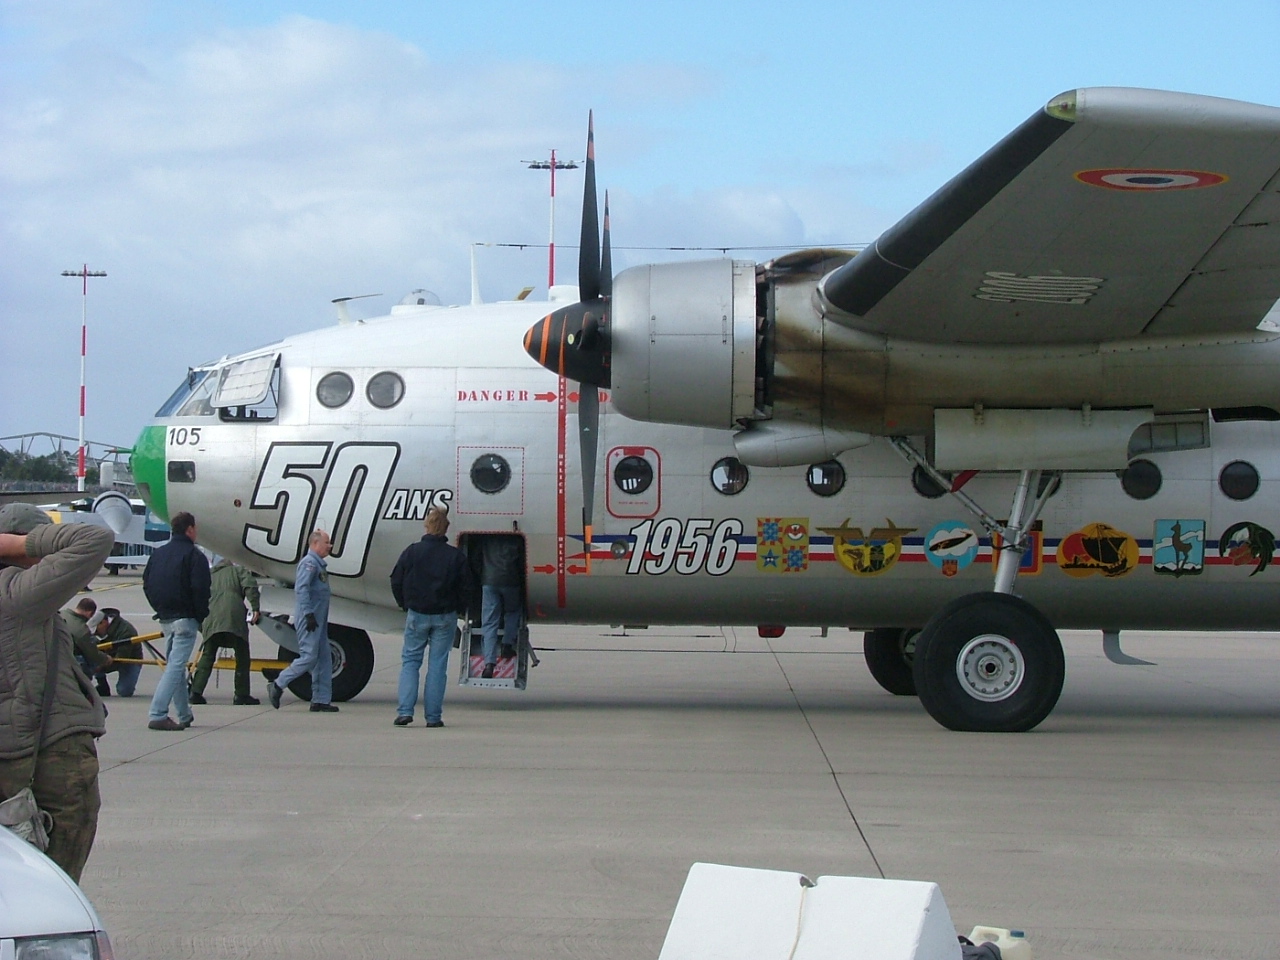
(176, 582)
(311, 597)
(432, 584)
(501, 573)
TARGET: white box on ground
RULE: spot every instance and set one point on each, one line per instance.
(739, 913)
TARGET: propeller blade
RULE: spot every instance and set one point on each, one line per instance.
(588, 442)
(606, 258)
(589, 248)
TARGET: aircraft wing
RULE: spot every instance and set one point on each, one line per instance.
(1111, 213)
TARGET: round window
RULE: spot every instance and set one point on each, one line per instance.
(633, 475)
(1141, 479)
(729, 476)
(1238, 480)
(490, 473)
(925, 485)
(385, 390)
(826, 479)
(334, 389)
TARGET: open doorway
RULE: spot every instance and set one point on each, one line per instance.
(495, 645)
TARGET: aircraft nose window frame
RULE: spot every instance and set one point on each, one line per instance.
(1141, 479)
(384, 390)
(633, 475)
(729, 476)
(181, 471)
(189, 385)
(1238, 480)
(335, 389)
(826, 479)
(490, 473)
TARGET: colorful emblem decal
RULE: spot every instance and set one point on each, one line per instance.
(1177, 549)
(1246, 543)
(782, 544)
(1032, 555)
(1119, 178)
(1098, 548)
(951, 546)
(867, 555)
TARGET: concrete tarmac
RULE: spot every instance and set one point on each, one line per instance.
(1141, 820)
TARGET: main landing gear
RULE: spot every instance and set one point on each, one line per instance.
(990, 662)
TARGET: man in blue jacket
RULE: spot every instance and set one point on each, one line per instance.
(311, 620)
(432, 583)
(176, 582)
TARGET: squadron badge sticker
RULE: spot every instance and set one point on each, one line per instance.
(1248, 543)
(871, 554)
(951, 546)
(1177, 550)
(782, 544)
(1098, 548)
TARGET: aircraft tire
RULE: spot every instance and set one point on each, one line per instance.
(352, 653)
(889, 652)
(989, 662)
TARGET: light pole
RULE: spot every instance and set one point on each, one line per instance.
(84, 273)
(553, 165)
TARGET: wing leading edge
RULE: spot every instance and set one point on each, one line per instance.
(1109, 214)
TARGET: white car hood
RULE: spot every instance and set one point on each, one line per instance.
(36, 897)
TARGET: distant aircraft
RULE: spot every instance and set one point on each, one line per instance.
(138, 531)
(1055, 374)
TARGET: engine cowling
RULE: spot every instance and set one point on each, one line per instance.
(683, 343)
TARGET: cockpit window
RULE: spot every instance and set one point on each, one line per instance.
(198, 404)
(244, 385)
(193, 379)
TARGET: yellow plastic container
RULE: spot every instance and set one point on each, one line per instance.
(1012, 943)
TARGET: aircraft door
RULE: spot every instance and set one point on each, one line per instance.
(500, 559)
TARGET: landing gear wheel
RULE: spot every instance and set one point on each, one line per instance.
(989, 662)
(889, 652)
(352, 654)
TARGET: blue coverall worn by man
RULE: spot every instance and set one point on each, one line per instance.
(311, 620)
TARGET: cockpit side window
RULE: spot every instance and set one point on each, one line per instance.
(267, 404)
(198, 404)
(193, 380)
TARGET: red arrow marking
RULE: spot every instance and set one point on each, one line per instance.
(549, 568)
(544, 396)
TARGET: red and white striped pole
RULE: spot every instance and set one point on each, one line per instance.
(553, 165)
(84, 273)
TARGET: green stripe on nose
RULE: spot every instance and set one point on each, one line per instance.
(147, 464)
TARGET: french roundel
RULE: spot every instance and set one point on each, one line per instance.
(1126, 179)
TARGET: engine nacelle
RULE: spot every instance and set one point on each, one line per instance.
(684, 342)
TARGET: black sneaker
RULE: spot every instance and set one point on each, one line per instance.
(273, 694)
(244, 701)
(433, 724)
(403, 721)
(507, 652)
(487, 672)
(197, 698)
(323, 708)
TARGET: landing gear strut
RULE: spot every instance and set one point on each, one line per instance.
(991, 662)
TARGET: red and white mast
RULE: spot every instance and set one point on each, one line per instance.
(84, 273)
(553, 165)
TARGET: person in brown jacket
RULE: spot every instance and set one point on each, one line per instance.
(43, 565)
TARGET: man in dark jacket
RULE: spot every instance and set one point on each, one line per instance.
(176, 582)
(432, 584)
(42, 566)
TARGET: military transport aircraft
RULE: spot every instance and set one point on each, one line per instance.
(1048, 396)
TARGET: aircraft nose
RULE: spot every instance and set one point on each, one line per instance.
(147, 462)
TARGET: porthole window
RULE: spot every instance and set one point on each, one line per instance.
(729, 476)
(1141, 479)
(490, 473)
(826, 479)
(925, 485)
(633, 475)
(385, 390)
(334, 389)
(1238, 480)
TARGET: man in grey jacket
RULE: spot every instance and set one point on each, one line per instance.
(42, 566)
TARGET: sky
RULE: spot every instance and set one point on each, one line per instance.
(235, 166)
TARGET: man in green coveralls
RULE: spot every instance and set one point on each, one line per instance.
(233, 586)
